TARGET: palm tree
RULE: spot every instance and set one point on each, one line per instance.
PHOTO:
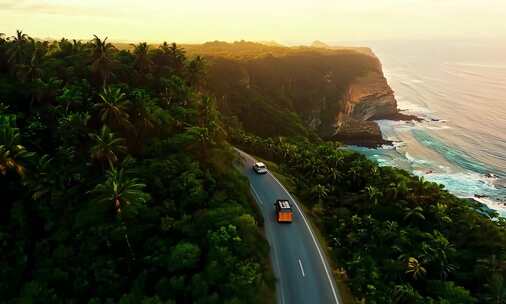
(320, 191)
(77, 47)
(441, 212)
(355, 172)
(374, 194)
(106, 147)
(31, 70)
(142, 61)
(112, 110)
(121, 191)
(16, 53)
(415, 268)
(42, 183)
(176, 56)
(12, 159)
(124, 193)
(196, 71)
(416, 213)
(20, 36)
(102, 59)
(45, 89)
(438, 252)
(405, 294)
(12, 154)
(141, 116)
(207, 124)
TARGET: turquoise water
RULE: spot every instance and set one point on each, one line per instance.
(460, 90)
(453, 155)
(467, 180)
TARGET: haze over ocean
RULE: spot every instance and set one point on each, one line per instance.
(460, 87)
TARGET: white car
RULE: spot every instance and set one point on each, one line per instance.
(260, 168)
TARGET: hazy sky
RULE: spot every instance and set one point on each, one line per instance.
(289, 21)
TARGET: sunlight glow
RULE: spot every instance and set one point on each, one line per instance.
(282, 20)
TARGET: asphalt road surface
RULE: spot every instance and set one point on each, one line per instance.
(300, 266)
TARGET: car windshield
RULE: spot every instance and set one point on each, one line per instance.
(260, 166)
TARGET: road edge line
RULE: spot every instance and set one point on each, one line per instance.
(314, 240)
(325, 266)
(275, 254)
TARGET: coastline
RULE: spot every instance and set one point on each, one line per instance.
(421, 157)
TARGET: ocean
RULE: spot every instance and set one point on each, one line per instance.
(459, 89)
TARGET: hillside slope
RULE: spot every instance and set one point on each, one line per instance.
(275, 90)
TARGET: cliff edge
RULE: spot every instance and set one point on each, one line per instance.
(331, 93)
(367, 98)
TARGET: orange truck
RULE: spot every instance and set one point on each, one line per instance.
(284, 213)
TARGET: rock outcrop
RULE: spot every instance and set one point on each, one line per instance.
(368, 98)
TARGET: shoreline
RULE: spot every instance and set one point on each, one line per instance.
(421, 160)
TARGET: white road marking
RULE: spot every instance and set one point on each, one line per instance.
(301, 268)
(256, 194)
(308, 227)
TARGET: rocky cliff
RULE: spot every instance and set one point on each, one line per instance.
(367, 98)
(332, 92)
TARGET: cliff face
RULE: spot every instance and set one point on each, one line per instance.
(367, 98)
(333, 93)
(350, 119)
(370, 97)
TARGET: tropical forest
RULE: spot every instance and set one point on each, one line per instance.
(120, 181)
(117, 182)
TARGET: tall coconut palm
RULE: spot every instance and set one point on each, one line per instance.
(20, 36)
(102, 59)
(78, 47)
(17, 52)
(121, 191)
(106, 147)
(439, 252)
(112, 110)
(142, 61)
(176, 56)
(208, 126)
(196, 71)
(124, 193)
(32, 69)
(141, 117)
(63, 47)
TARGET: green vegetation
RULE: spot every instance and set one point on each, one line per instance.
(396, 237)
(117, 182)
(280, 91)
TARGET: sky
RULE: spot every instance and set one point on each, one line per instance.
(286, 21)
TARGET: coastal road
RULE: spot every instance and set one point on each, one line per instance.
(300, 266)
